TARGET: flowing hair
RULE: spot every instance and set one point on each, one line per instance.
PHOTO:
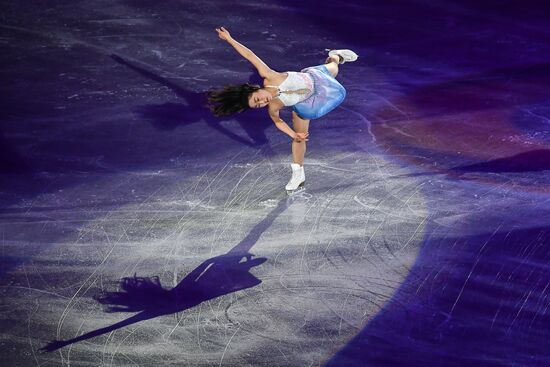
(231, 99)
(135, 294)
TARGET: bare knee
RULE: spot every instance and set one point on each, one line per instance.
(300, 129)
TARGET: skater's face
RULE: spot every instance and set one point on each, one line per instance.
(259, 98)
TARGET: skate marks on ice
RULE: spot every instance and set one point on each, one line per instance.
(350, 260)
(335, 254)
(213, 278)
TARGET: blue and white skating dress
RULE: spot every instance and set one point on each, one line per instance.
(312, 92)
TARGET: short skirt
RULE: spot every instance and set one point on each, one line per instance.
(327, 94)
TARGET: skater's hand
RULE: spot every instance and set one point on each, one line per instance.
(223, 33)
(301, 137)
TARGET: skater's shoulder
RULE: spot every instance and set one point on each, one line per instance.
(275, 78)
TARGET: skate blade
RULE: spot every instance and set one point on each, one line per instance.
(301, 187)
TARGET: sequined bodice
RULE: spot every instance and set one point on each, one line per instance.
(296, 88)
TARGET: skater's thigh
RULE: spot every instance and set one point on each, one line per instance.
(300, 125)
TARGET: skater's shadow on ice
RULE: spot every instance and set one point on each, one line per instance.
(168, 116)
(213, 278)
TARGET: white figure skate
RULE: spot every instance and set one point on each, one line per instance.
(298, 179)
(347, 55)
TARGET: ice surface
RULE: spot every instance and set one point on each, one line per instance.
(421, 239)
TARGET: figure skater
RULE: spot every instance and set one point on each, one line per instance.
(312, 93)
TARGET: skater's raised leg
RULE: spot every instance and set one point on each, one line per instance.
(331, 64)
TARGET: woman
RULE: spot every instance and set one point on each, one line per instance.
(311, 93)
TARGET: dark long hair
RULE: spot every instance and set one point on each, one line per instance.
(135, 294)
(231, 99)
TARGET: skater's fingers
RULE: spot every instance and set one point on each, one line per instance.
(223, 33)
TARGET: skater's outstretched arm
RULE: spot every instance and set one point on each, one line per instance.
(264, 70)
(283, 126)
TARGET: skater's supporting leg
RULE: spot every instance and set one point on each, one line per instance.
(332, 64)
(299, 149)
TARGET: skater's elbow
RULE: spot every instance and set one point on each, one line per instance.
(274, 115)
(277, 120)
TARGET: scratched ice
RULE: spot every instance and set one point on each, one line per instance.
(422, 237)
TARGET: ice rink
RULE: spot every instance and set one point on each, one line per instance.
(423, 235)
